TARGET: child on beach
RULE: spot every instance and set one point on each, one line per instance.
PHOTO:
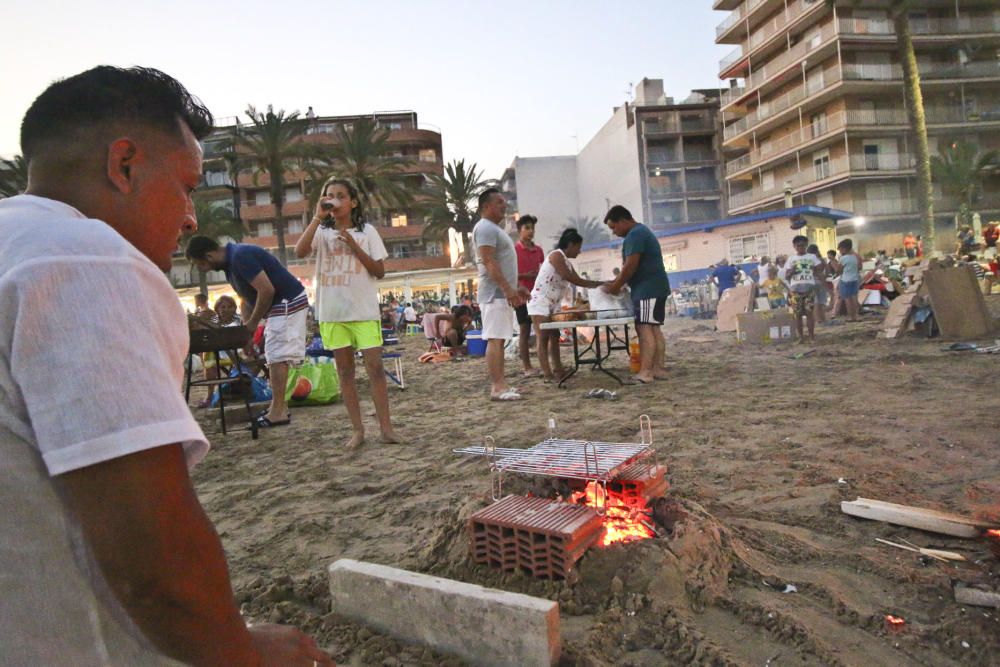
(774, 289)
(802, 273)
(850, 278)
(349, 259)
(553, 277)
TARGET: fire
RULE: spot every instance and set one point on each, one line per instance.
(624, 520)
(894, 623)
(993, 533)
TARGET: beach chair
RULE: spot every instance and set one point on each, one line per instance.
(392, 363)
(431, 333)
(212, 341)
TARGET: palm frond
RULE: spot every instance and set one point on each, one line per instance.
(13, 176)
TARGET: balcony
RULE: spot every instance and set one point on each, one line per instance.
(795, 10)
(251, 211)
(653, 130)
(928, 73)
(734, 17)
(927, 28)
(666, 192)
(885, 164)
(776, 107)
(734, 57)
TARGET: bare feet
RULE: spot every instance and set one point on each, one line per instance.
(531, 373)
(389, 437)
(661, 374)
(642, 379)
(356, 440)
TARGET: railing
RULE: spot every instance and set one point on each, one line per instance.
(666, 191)
(959, 115)
(795, 139)
(929, 27)
(654, 129)
(786, 101)
(872, 72)
(727, 23)
(883, 206)
(768, 30)
(729, 96)
(789, 57)
(973, 70)
(663, 160)
(876, 117)
(882, 162)
(730, 59)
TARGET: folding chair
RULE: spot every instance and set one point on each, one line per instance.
(213, 341)
(431, 333)
(395, 359)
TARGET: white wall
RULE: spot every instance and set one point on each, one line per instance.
(607, 169)
(546, 189)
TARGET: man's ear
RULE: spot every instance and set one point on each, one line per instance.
(121, 160)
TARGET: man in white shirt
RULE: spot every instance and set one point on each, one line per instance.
(802, 273)
(108, 557)
(498, 295)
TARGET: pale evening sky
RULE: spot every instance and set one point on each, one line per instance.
(498, 79)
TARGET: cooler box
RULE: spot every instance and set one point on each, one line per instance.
(475, 343)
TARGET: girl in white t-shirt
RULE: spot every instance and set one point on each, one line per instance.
(555, 274)
(349, 261)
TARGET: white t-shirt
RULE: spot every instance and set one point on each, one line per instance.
(92, 345)
(799, 271)
(410, 314)
(345, 291)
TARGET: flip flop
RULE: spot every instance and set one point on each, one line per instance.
(637, 380)
(265, 422)
(509, 395)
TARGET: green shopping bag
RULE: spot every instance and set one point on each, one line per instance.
(312, 384)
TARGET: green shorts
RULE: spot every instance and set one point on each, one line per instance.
(359, 335)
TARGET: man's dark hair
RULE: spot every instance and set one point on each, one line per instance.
(568, 238)
(526, 220)
(199, 247)
(800, 239)
(108, 95)
(846, 244)
(484, 196)
(200, 298)
(618, 213)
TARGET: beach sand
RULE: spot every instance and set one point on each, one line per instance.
(761, 449)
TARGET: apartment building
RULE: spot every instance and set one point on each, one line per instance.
(250, 198)
(814, 105)
(658, 157)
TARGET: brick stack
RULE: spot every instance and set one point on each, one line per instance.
(542, 537)
(640, 483)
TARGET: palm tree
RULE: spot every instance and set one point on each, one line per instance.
(271, 145)
(214, 222)
(363, 156)
(899, 11)
(590, 228)
(13, 176)
(452, 202)
(959, 170)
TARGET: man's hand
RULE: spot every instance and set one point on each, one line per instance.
(514, 298)
(285, 646)
(612, 288)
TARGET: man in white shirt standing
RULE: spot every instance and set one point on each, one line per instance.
(498, 295)
(108, 557)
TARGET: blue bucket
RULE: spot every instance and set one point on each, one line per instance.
(475, 343)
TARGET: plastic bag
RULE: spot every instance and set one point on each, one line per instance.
(260, 391)
(312, 384)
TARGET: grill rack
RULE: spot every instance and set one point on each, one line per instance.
(585, 460)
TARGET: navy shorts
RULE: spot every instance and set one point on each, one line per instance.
(650, 311)
(848, 289)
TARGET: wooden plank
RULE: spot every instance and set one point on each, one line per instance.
(959, 308)
(734, 301)
(914, 517)
(976, 597)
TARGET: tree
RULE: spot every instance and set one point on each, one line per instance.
(363, 156)
(452, 202)
(214, 222)
(899, 11)
(271, 145)
(959, 170)
(13, 176)
(590, 228)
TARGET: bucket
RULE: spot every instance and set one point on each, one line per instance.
(634, 360)
(475, 343)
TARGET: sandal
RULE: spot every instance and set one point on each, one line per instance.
(263, 421)
(509, 395)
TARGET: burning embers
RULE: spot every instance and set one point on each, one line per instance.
(993, 537)
(625, 502)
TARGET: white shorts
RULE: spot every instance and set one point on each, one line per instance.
(285, 337)
(498, 320)
(541, 307)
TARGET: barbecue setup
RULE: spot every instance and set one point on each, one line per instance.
(610, 488)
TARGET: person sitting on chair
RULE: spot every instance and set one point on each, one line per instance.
(451, 327)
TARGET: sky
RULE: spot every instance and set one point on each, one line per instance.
(498, 80)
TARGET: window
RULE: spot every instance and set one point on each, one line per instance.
(399, 220)
(818, 123)
(435, 249)
(741, 248)
(767, 181)
(261, 198)
(294, 226)
(293, 193)
(821, 165)
(815, 81)
(815, 39)
(428, 155)
(265, 229)
(871, 157)
(670, 263)
(217, 178)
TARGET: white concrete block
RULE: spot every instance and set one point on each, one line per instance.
(483, 626)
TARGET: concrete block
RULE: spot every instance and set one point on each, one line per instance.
(483, 626)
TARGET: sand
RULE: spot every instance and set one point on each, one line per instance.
(761, 446)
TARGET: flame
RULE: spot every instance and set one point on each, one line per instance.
(993, 533)
(623, 518)
(894, 623)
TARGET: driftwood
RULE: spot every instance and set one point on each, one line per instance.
(914, 517)
(976, 598)
(937, 554)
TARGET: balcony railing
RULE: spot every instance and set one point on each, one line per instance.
(699, 125)
(730, 59)
(673, 191)
(734, 17)
(973, 70)
(882, 162)
(790, 57)
(777, 24)
(876, 117)
(934, 26)
(938, 115)
(729, 96)
(782, 103)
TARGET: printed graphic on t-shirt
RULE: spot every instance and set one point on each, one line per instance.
(338, 263)
(801, 271)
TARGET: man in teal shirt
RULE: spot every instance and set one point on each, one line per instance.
(642, 269)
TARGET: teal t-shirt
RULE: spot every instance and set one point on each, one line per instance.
(650, 279)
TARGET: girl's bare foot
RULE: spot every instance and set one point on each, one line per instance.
(389, 437)
(661, 374)
(356, 440)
